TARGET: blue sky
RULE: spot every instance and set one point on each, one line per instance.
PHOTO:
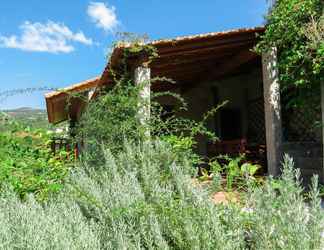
(58, 43)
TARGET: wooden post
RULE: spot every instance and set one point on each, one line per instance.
(322, 108)
(142, 77)
(272, 111)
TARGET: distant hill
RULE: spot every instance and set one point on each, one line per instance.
(29, 116)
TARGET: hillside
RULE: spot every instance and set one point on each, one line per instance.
(29, 116)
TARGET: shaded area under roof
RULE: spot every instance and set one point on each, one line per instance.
(188, 60)
(183, 58)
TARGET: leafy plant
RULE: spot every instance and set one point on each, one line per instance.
(183, 146)
(235, 170)
(295, 28)
(140, 198)
(113, 117)
(27, 163)
(281, 218)
(216, 183)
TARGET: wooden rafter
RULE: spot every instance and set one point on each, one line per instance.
(231, 64)
(222, 69)
(56, 99)
(183, 59)
(209, 43)
(179, 61)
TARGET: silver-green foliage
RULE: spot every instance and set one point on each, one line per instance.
(144, 198)
(282, 218)
(57, 225)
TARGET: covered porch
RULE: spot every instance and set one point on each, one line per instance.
(209, 69)
(218, 67)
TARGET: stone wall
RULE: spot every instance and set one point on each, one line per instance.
(308, 157)
(303, 139)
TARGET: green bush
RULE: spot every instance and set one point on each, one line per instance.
(142, 198)
(282, 218)
(113, 118)
(27, 163)
(237, 170)
(296, 28)
(58, 224)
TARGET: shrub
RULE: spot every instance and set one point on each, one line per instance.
(282, 218)
(27, 164)
(143, 198)
(56, 225)
(237, 170)
(113, 118)
(295, 28)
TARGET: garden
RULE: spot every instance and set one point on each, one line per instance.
(128, 190)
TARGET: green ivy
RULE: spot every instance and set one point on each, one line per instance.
(295, 27)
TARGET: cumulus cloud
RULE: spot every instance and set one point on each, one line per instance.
(49, 37)
(103, 16)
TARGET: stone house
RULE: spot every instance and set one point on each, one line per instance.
(208, 69)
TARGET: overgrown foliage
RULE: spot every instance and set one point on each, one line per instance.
(296, 28)
(134, 191)
(238, 172)
(115, 115)
(26, 161)
(281, 217)
(143, 198)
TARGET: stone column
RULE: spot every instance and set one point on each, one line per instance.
(142, 78)
(322, 108)
(272, 108)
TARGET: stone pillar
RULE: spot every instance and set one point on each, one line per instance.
(322, 108)
(272, 108)
(90, 93)
(143, 77)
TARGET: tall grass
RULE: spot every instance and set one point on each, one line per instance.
(143, 198)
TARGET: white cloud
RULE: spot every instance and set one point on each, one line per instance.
(103, 16)
(50, 37)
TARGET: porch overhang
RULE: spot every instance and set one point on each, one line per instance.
(186, 60)
(192, 59)
(68, 102)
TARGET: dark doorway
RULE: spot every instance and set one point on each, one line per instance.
(231, 124)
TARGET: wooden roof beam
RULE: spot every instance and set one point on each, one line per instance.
(225, 68)
(194, 46)
(179, 61)
(231, 64)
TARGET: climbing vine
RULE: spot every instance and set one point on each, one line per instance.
(296, 28)
(112, 118)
